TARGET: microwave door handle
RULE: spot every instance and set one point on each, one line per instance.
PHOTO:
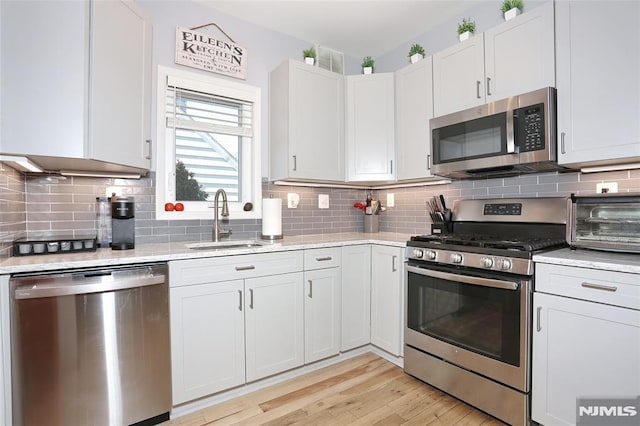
(484, 282)
(512, 126)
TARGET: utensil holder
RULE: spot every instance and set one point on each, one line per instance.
(371, 223)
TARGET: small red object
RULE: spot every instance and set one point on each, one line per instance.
(179, 207)
(168, 207)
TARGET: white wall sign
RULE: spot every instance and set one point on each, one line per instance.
(200, 50)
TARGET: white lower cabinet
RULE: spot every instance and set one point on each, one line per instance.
(273, 324)
(207, 338)
(234, 319)
(322, 288)
(586, 340)
(356, 296)
(387, 313)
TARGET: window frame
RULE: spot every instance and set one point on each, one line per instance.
(165, 157)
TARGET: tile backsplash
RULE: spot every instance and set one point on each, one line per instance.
(33, 205)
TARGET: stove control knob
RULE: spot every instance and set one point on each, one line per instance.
(430, 255)
(417, 253)
(456, 258)
(486, 262)
(504, 264)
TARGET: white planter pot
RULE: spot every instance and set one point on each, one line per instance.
(415, 58)
(511, 13)
(465, 35)
(367, 70)
(310, 61)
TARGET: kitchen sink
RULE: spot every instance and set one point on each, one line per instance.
(224, 245)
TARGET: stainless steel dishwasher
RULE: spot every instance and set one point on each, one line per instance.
(91, 347)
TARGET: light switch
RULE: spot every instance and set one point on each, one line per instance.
(391, 199)
(323, 201)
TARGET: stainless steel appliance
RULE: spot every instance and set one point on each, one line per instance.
(468, 301)
(123, 223)
(605, 222)
(91, 347)
(511, 136)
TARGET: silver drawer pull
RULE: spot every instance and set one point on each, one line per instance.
(245, 268)
(599, 287)
(323, 259)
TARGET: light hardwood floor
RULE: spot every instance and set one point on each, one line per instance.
(365, 390)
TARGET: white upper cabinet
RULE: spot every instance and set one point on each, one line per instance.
(514, 57)
(414, 108)
(520, 55)
(458, 76)
(598, 72)
(83, 101)
(306, 123)
(370, 127)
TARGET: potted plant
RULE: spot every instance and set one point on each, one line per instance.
(309, 55)
(416, 52)
(367, 65)
(511, 8)
(465, 28)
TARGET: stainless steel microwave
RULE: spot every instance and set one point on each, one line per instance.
(506, 137)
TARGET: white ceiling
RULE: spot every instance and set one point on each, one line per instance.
(357, 28)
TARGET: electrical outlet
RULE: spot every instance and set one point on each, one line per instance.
(323, 201)
(293, 200)
(391, 199)
(606, 187)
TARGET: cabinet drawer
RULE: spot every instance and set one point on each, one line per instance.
(213, 269)
(613, 288)
(321, 258)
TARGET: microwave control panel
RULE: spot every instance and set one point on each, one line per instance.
(531, 128)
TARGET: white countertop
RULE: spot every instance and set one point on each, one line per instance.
(145, 253)
(593, 259)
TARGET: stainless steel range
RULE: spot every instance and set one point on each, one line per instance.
(468, 303)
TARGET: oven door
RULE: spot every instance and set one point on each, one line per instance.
(478, 321)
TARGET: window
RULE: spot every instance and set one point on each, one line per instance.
(208, 139)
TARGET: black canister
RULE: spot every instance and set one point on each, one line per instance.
(123, 232)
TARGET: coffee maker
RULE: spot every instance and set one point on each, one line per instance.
(123, 229)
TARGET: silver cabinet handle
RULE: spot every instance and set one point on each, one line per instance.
(310, 289)
(478, 89)
(240, 297)
(393, 263)
(488, 86)
(323, 259)
(245, 268)
(562, 150)
(391, 167)
(599, 287)
(148, 156)
(295, 163)
(429, 162)
(538, 313)
(251, 298)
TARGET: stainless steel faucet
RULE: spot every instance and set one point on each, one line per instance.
(217, 232)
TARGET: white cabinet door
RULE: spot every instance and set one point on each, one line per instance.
(370, 127)
(356, 296)
(306, 123)
(598, 82)
(274, 316)
(581, 350)
(120, 81)
(520, 55)
(414, 108)
(458, 76)
(321, 314)
(386, 298)
(90, 83)
(207, 339)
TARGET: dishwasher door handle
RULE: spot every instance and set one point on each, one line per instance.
(68, 286)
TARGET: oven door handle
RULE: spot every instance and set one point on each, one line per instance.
(465, 279)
